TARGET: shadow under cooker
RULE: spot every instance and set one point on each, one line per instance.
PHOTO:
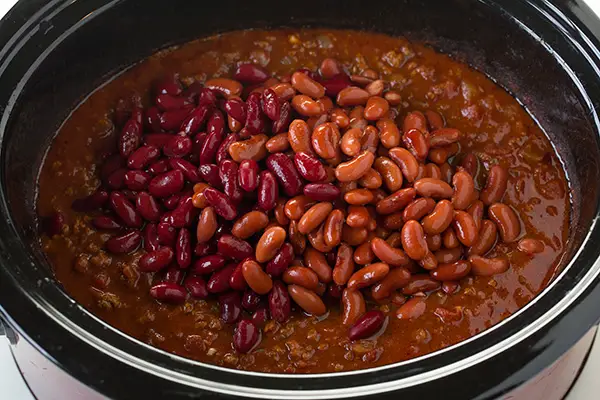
(555, 79)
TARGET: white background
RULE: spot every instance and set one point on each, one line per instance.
(586, 388)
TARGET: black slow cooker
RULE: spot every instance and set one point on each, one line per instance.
(56, 52)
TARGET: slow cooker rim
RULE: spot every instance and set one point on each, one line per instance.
(35, 303)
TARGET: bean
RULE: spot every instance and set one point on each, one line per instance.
(297, 206)
(476, 210)
(397, 278)
(305, 85)
(219, 280)
(363, 254)
(130, 136)
(370, 139)
(389, 132)
(329, 68)
(358, 197)
(125, 243)
(530, 246)
(376, 87)
(249, 224)
(388, 254)
(125, 210)
(435, 188)
(281, 261)
(336, 84)
(353, 306)
(221, 204)
(279, 302)
(354, 236)
(344, 265)
(506, 220)
(271, 105)
(168, 292)
(246, 336)
(434, 120)
(495, 186)
(351, 142)
(302, 276)
(412, 309)
(416, 142)
(444, 137)
(256, 278)
(439, 219)
(420, 283)
(406, 161)
(368, 275)
(230, 307)
(287, 175)
(250, 73)
(464, 188)
(486, 240)
(396, 201)
(237, 280)
(210, 174)
(183, 214)
(352, 96)
(150, 238)
(470, 163)
(413, 240)
(355, 168)
(196, 286)
(371, 179)
(367, 325)
(418, 208)
(415, 120)
(376, 108)
(448, 256)
(299, 137)
(450, 239)
(104, 222)
(390, 173)
(284, 91)
(166, 184)
(438, 155)
(232, 247)
(285, 117)
(317, 262)
(481, 266)
(253, 148)
(207, 225)
(308, 300)
(250, 299)
(434, 242)
(306, 106)
(317, 239)
(451, 272)
(183, 248)
(465, 228)
(314, 217)
(358, 216)
(156, 260)
(166, 233)
(269, 243)
(194, 120)
(325, 140)
(429, 262)
(278, 143)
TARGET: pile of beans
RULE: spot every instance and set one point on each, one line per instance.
(265, 192)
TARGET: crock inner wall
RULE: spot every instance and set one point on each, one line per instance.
(480, 33)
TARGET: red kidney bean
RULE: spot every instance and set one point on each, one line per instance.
(184, 213)
(172, 119)
(178, 146)
(507, 221)
(158, 140)
(248, 175)
(287, 175)
(322, 191)
(105, 222)
(367, 325)
(310, 167)
(250, 300)
(255, 119)
(166, 184)
(280, 305)
(210, 173)
(196, 286)
(190, 172)
(336, 84)
(231, 307)
(156, 260)
(92, 202)
(412, 309)
(116, 180)
(125, 210)
(231, 247)
(210, 148)
(237, 280)
(208, 264)
(281, 261)
(268, 191)
(143, 156)
(495, 186)
(246, 336)
(131, 134)
(136, 180)
(250, 73)
(205, 249)
(166, 233)
(168, 85)
(193, 121)
(260, 316)
(236, 108)
(150, 236)
(158, 167)
(439, 219)
(166, 102)
(223, 150)
(420, 283)
(152, 119)
(126, 243)
(183, 248)
(168, 292)
(271, 104)
(173, 275)
(219, 280)
(530, 246)
(451, 272)
(221, 203)
(171, 202)
(465, 228)
(416, 142)
(228, 172)
(481, 266)
(285, 118)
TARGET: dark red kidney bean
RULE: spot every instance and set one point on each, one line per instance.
(184, 213)
(237, 280)
(336, 84)
(255, 119)
(209, 148)
(248, 175)
(284, 257)
(285, 171)
(152, 119)
(310, 167)
(90, 203)
(205, 249)
(166, 184)
(130, 195)
(168, 85)
(193, 122)
(201, 95)
(136, 180)
(236, 109)
(250, 300)
(189, 170)
(179, 146)
(167, 102)
(116, 180)
(183, 248)
(174, 275)
(158, 140)
(219, 280)
(322, 191)
(143, 156)
(208, 264)
(196, 286)
(246, 336)
(280, 304)
(125, 243)
(367, 325)
(150, 234)
(156, 260)
(228, 172)
(102, 222)
(260, 316)
(216, 123)
(271, 104)
(171, 202)
(268, 191)
(166, 233)
(285, 117)
(221, 203)
(231, 307)
(210, 174)
(168, 292)
(230, 246)
(131, 134)
(197, 144)
(250, 73)
(172, 119)
(158, 167)
(223, 150)
(125, 210)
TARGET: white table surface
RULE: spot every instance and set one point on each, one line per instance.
(13, 387)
